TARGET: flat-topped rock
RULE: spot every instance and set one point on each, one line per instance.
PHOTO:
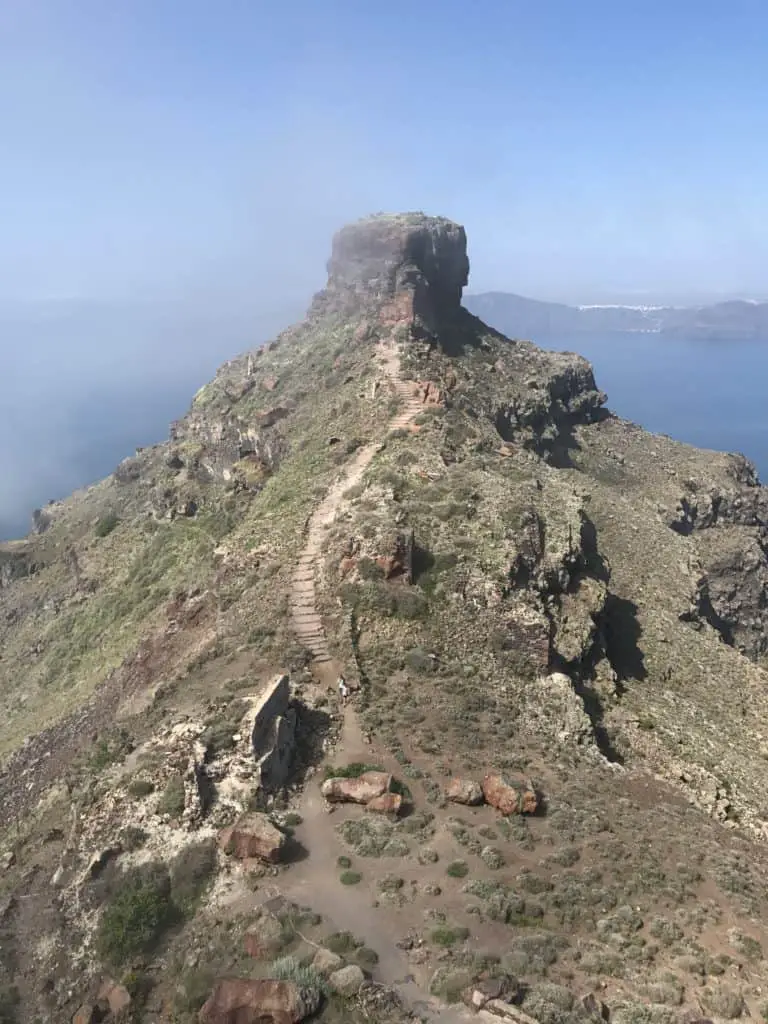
(400, 253)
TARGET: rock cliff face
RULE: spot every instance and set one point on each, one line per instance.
(516, 584)
(414, 266)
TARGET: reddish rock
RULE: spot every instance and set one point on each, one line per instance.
(242, 1001)
(117, 997)
(362, 790)
(388, 803)
(253, 836)
(347, 565)
(507, 798)
(464, 791)
(269, 383)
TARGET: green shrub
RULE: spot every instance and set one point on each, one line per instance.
(217, 736)
(140, 788)
(138, 913)
(106, 524)
(172, 798)
(350, 877)
(110, 748)
(457, 869)
(343, 862)
(341, 943)
(369, 570)
(306, 979)
(450, 985)
(445, 936)
(191, 871)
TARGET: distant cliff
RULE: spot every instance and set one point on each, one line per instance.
(529, 318)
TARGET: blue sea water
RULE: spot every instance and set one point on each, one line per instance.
(708, 393)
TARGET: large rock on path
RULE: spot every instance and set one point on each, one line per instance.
(253, 836)
(361, 790)
(242, 1001)
(387, 803)
(464, 791)
(507, 798)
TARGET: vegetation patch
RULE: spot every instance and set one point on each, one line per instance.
(106, 524)
(350, 877)
(172, 798)
(137, 915)
(457, 869)
(448, 936)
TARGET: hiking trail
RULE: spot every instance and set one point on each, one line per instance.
(311, 880)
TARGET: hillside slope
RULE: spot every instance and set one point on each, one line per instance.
(511, 580)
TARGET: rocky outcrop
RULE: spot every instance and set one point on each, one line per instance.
(464, 791)
(361, 790)
(273, 735)
(729, 527)
(242, 1001)
(509, 798)
(15, 563)
(411, 267)
(253, 836)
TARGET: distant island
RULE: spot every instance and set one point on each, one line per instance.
(517, 316)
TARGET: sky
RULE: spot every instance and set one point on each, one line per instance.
(171, 172)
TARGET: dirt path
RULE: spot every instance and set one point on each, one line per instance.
(310, 881)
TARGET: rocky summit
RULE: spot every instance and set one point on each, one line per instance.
(403, 682)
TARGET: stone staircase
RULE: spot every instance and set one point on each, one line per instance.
(307, 622)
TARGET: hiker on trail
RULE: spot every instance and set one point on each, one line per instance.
(343, 690)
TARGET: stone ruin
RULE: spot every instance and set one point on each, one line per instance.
(273, 734)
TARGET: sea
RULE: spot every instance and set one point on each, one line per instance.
(72, 409)
(712, 394)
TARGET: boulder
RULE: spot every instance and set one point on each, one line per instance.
(242, 1001)
(483, 991)
(507, 798)
(464, 791)
(117, 997)
(348, 981)
(263, 938)
(325, 962)
(362, 790)
(253, 836)
(387, 803)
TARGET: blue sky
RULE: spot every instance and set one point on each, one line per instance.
(591, 148)
(171, 173)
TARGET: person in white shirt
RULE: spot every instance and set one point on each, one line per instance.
(343, 689)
